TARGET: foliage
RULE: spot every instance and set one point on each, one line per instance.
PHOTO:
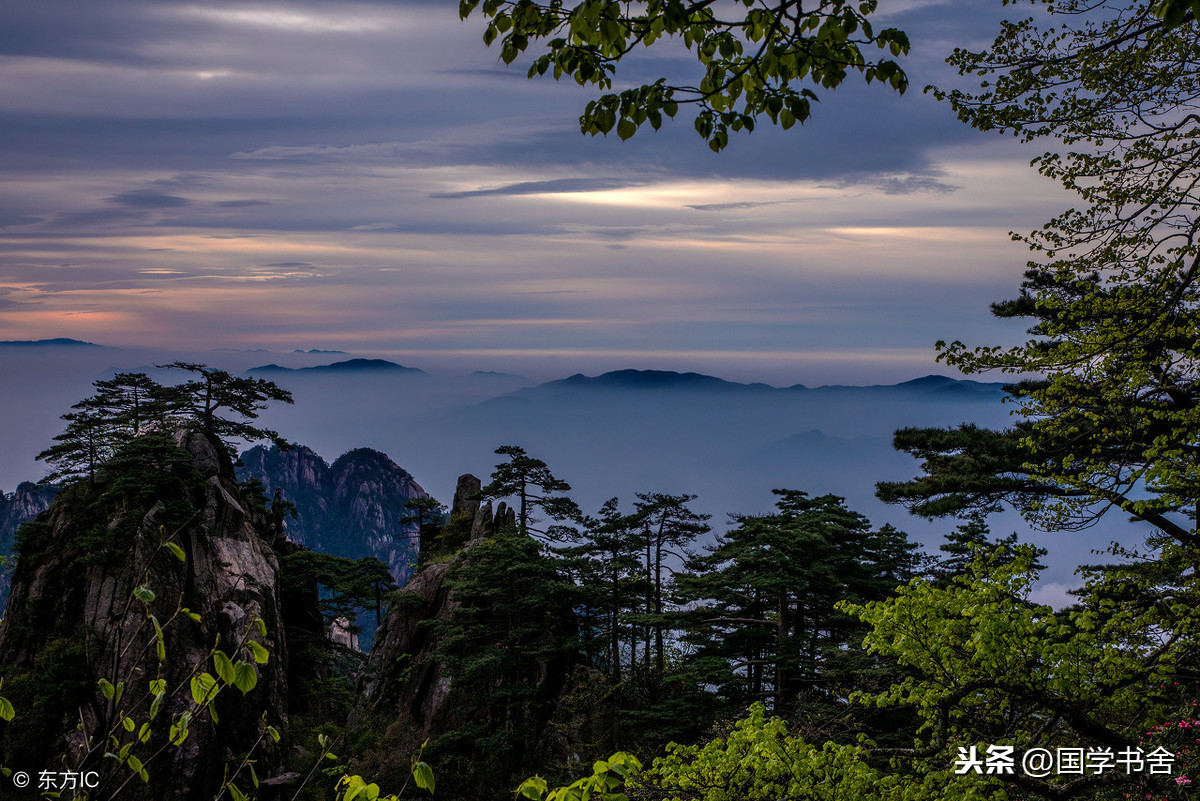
(664, 526)
(354, 787)
(969, 542)
(1112, 420)
(1114, 304)
(204, 397)
(991, 667)
(509, 635)
(425, 514)
(608, 777)
(763, 618)
(133, 405)
(609, 572)
(123, 406)
(351, 584)
(536, 489)
(759, 760)
(752, 59)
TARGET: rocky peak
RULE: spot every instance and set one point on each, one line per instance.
(25, 503)
(77, 616)
(351, 508)
(405, 680)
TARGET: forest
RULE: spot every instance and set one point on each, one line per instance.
(164, 640)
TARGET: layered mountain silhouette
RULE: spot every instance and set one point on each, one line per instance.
(346, 366)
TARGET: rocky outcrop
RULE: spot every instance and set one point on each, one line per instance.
(27, 502)
(96, 578)
(411, 694)
(351, 508)
(405, 634)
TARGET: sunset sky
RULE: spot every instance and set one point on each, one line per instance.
(367, 177)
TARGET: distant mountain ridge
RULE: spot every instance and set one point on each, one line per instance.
(346, 366)
(651, 380)
(57, 342)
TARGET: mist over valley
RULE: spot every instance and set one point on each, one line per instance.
(611, 434)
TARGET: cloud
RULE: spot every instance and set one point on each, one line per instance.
(242, 204)
(148, 199)
(912, 184)
(9, 220)
(555, 186)
(904, 185)
(741, 204)
(75, 220)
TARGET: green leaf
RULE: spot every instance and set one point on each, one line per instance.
(261, 654)
(204, 688)
(143, 594)
(423, 775)
(224, 667)
(534, 788)
(175, 549)
(6, 709)
(244, 677)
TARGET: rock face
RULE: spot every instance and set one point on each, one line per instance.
(425, 597)
(27, 502)
(77, 616)
(351, 508)
(409, 695)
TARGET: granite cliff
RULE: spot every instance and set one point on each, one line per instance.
(22, 505)
(351, 508)
(478, 657)
(135, 578)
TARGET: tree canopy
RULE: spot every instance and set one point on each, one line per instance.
(211, 390)
(129, 404)
(535, 488)
(1105, 398)
(753, 56)
(1113, 299)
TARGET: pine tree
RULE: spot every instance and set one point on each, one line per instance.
(536, 489)
(764, 620)
(512, 628)
(667, 526)
(222, 405)
(611, 573)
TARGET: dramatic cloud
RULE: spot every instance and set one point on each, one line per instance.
(367, 176)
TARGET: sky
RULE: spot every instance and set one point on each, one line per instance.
(368, 177)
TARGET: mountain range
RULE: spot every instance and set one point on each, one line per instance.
(610, 434)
